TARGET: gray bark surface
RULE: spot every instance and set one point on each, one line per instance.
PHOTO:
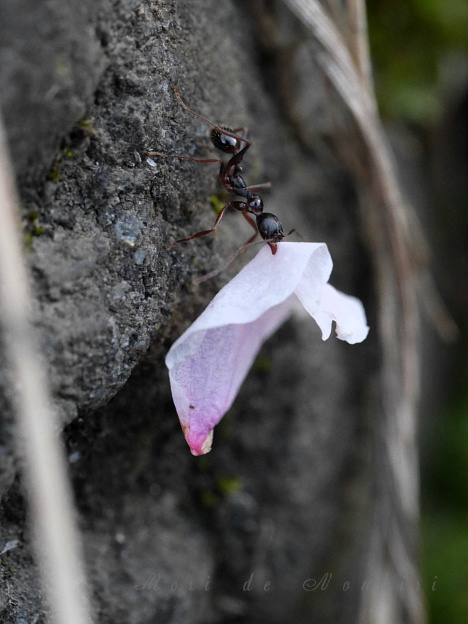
(275, 521)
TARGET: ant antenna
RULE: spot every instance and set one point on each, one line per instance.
(236, 254)
(225, 131)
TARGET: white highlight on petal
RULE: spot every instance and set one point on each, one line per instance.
(209, 362)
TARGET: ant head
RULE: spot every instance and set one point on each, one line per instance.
(255, 204)
(224, 142)
(270, 227)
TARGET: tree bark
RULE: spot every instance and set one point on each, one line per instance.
(275, 524)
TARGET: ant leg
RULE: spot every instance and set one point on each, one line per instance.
(294, 231)
(237, 158)
(199, 160)
(238, 252)
(241, 132)
(232, 204)
(249, 219)
(214, 272)
(210, 123)
(259, 187)
(203, 232)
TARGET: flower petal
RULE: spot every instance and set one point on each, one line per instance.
(209, 362)
(266, 281)
(207, 368)
(346, 311)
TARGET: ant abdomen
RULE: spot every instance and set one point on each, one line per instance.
(224, 142)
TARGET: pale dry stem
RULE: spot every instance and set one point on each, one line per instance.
(47, 485)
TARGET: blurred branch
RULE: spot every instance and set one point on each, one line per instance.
(48, 489)
(358, 42)
(400, 256)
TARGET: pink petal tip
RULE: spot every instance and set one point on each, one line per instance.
(200, 444)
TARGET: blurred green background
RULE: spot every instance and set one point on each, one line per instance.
(416, 45)
(420, 55)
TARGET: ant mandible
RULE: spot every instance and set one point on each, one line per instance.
(230, 142)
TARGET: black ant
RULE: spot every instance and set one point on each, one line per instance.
(230, 142)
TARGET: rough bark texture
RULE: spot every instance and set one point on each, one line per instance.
(285, 497)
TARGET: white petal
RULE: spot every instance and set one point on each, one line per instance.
(346, 311)
(209, 362)
(208, 367)
(265, 282)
